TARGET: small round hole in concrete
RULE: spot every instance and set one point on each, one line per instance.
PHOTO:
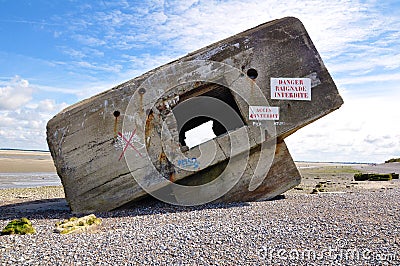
(116, 113)
(252, 73)
(142, 91)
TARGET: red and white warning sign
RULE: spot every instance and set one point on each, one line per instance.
(291, 89)
(263, 113)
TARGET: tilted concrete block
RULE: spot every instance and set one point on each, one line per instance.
(271, 82)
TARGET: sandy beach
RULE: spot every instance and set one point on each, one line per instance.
(24, 169)
(14, 161)
(351, 223)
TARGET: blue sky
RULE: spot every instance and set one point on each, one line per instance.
(55, 53)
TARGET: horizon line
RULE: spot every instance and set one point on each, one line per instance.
(297, 161)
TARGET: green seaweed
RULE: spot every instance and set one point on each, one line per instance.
(75, 224)
(361, 177)
(19, 226)
(393, 160)
(372, 177)
(319, 188)
(94, 221)
(315, 191)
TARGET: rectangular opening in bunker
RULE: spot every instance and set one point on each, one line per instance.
(200, 129)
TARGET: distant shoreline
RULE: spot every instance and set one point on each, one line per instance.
(33, 161)
(296, 161)
(335, 162)
(10, 149)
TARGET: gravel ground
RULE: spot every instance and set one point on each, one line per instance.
(359, 228)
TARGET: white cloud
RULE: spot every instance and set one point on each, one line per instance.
(364, 129)
(73, 52)
(90, 41)
(177, 27)
(15, 93)
(22, 119)
(370, 78)
(49, 106)
(54, 89)
(367, 61)
(177, 6)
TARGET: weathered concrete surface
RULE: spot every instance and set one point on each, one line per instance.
(282, 176)
(88, 143)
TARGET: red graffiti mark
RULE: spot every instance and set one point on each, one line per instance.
(128, 143)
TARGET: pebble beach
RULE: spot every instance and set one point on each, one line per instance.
(360, 228)
(352, 223)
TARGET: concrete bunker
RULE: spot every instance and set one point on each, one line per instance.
(99, 144)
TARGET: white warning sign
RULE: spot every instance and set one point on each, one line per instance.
(263, 113)
(291, 89)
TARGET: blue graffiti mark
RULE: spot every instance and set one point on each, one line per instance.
(189, 162)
